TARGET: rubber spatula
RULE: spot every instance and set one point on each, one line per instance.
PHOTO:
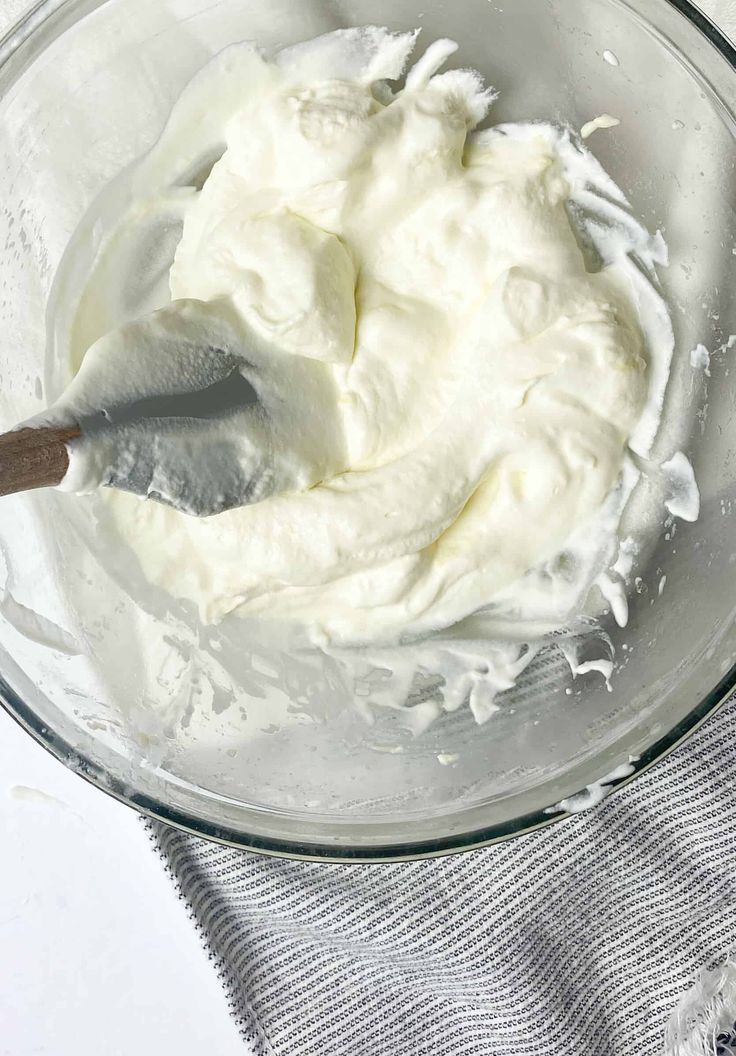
(159, 408)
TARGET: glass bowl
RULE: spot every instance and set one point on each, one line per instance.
(192, 725)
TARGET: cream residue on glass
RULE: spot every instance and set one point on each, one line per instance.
(458, 326)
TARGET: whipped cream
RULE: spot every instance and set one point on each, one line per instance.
(602, 121)
(458, 324)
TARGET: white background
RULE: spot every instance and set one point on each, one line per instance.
(97, 955)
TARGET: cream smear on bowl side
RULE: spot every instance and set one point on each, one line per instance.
(474, 402)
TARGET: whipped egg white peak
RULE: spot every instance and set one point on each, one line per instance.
(473, 383)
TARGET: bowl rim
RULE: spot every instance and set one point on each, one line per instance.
(28, 25)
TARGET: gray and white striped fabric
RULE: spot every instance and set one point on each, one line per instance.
(578, 940)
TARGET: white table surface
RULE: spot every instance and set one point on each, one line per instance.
(96, 952)
(97, 955)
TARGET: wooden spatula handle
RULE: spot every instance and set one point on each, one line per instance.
(34, 458)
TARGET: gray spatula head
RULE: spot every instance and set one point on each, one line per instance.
(180, 406)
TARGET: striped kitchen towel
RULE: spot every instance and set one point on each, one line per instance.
(577, 940)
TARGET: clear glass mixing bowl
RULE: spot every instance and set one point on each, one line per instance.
(189, 724)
